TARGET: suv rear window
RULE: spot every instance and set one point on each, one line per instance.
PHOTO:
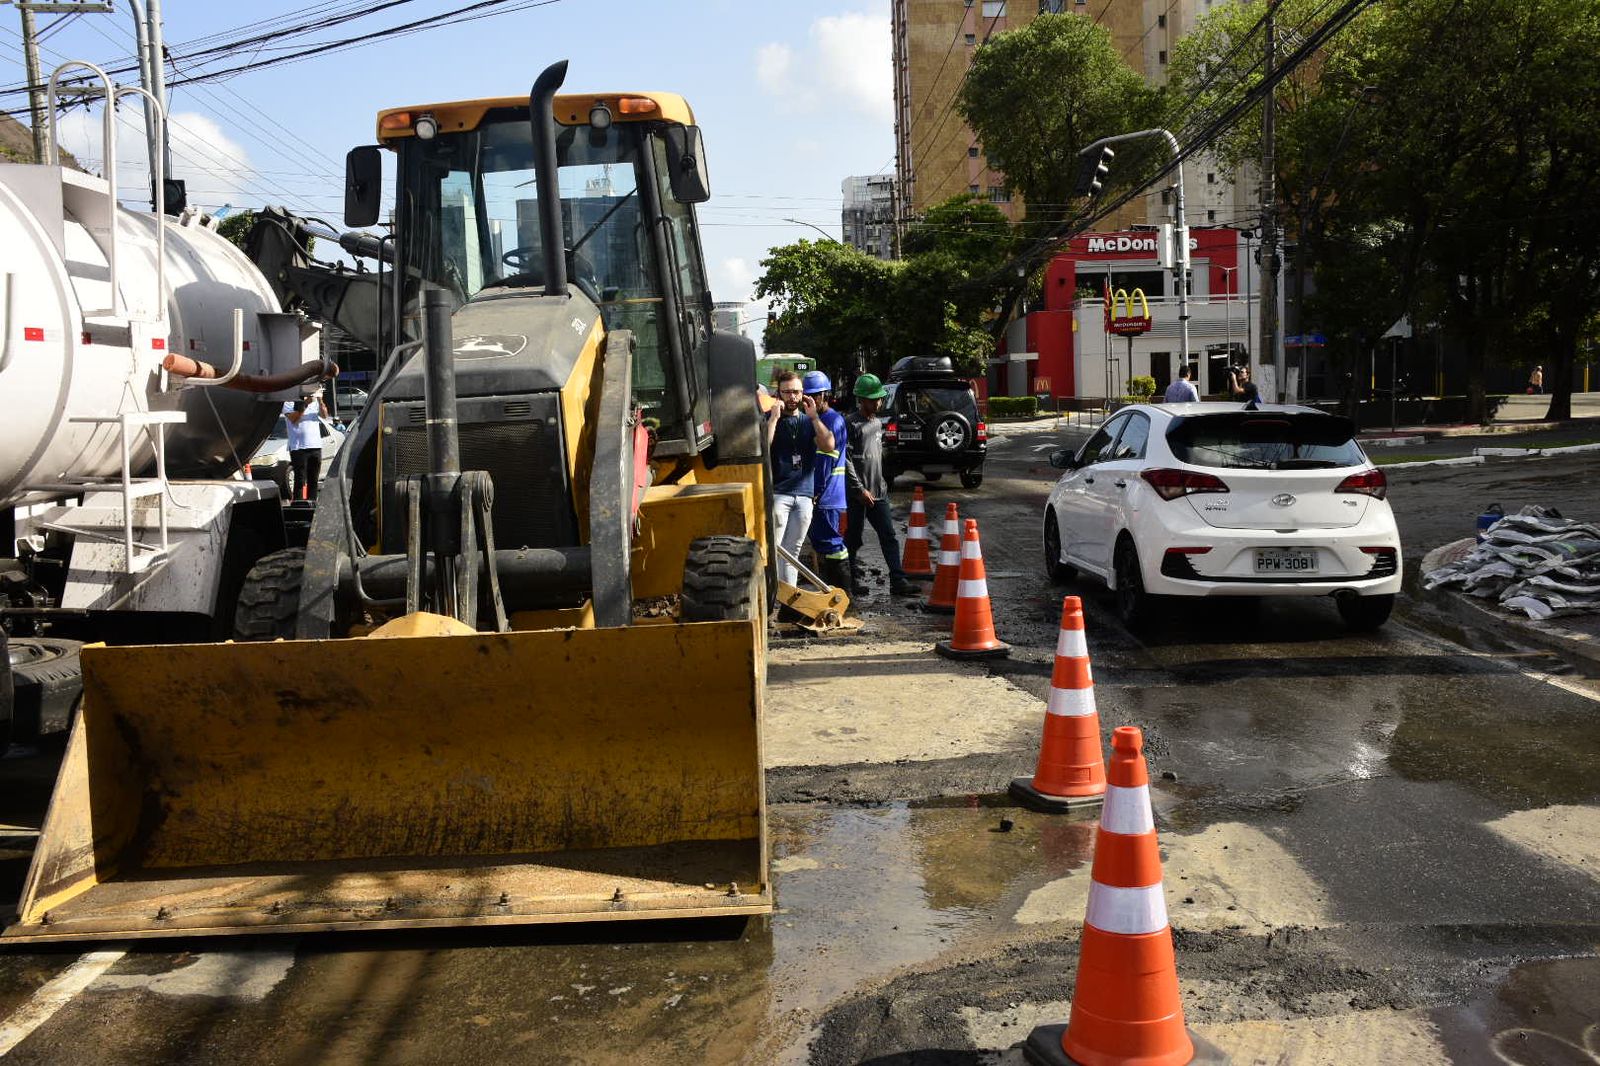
(931, 399)
(1265, 440)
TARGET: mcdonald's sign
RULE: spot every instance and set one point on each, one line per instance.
(1127, 324)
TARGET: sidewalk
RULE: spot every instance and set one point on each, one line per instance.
(1575, 638)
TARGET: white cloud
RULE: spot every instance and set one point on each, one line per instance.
(774, 67)
(737, 277)
(216, 168)
(856, 61)
(847, 64)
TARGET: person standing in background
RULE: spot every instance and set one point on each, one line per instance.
(1536, 381)
(305, 417)
(827, 534)
(1182, 390)
(796, 434)
(869, 487)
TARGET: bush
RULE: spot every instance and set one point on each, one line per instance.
(1019, 406)
(1142, 386)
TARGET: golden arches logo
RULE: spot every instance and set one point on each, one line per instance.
(1127, 323)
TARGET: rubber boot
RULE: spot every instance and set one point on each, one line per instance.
(858, 582)
(900, 585)
(836, 572)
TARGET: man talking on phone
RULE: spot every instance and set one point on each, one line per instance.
(797, 433)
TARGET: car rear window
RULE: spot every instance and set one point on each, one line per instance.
(931, 399)
(1265, 440)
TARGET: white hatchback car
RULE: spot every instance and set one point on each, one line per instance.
(1212, 499)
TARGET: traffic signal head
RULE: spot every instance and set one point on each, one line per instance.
(1092, 174)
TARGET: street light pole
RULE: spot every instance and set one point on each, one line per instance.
(832, 239)
(1180, 257)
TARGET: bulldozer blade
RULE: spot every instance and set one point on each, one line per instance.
(477, 779)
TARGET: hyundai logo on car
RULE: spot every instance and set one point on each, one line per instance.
(1283, 499)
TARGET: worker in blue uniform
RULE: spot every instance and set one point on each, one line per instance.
(827, 519)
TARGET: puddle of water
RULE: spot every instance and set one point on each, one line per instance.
(1542, 1014)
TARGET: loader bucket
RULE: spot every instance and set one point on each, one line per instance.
(480, 779)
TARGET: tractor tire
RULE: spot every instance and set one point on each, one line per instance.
(723, 581)
(269, 600)
(46, 685)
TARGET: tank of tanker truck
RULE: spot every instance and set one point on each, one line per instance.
(95, 298)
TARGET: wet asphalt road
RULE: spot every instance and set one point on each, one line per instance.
(1379, 848)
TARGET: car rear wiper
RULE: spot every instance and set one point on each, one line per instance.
(1305, 464)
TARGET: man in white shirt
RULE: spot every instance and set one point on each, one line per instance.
(1182, 390)
(305, 417)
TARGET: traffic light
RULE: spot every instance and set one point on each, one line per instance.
(1092, 173)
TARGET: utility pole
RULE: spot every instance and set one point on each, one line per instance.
(1270, 261)
(37, 90)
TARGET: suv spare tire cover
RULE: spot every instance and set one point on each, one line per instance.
(951, 431)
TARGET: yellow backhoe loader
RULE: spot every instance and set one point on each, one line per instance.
(523, 651)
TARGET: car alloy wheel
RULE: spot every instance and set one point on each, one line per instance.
(1058, 571)
(1133, 603)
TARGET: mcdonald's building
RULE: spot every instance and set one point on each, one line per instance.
(1070, 344)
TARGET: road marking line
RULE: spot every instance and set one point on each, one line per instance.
(53, 995)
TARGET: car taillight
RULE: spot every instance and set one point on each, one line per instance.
(983, 431)
(891, 431)
(1369, 483)
(1170, 484)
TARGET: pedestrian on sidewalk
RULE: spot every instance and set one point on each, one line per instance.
(305, 417)
(796, 433)
(827, 534)
(1182, 390)
(1536, 382)
(869, 487)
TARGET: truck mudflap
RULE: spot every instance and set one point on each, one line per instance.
(479, 779)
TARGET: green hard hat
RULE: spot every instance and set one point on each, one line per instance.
(869, 387)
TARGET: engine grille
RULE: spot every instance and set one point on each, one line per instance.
(518, 440)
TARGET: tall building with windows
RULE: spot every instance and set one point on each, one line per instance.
(937, 156)
(870, 206)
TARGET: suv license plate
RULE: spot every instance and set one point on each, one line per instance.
(910, 433)
(1286, 561)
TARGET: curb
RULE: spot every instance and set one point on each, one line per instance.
(1579, 650)
(1483, 455)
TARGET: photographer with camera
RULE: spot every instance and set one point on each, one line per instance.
(305, 417)
(1242, 388)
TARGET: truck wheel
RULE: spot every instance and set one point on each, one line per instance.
(270, 597)
(722, 581)
(971, 479)
(46, 684)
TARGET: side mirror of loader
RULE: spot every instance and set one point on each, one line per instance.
(686, 159)
(363, 186)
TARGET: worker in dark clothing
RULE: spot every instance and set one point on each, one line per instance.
(826, 538)
(869, 488)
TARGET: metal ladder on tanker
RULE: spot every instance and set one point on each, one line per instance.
(93, 201)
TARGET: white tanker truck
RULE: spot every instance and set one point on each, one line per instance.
(143, 359)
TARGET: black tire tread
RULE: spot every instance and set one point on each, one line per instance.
(270, 597)
(721, 580)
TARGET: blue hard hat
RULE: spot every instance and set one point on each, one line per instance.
(814, 382)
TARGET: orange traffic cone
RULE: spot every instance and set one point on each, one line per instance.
(1071, 771)
(942, 599)
(1125, 1006)
(914, 560)
(972, 634)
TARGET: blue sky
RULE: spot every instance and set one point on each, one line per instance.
(792, 98)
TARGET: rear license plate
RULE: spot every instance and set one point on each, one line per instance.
(1286, 561)
(908, 433)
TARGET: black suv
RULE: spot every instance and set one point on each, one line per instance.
(932, 423)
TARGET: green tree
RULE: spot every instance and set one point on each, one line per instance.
(1037, 95)
(236, 227)
(829, 301)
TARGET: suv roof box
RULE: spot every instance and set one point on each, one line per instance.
(915, 365)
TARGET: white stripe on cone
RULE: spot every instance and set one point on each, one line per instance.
(969, 550)
(1070, 702)
(918, 533)
(1127, 810)
(1126, 910)
(1071, 644)
(951, 529)
(972, 590)
(949, 558)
